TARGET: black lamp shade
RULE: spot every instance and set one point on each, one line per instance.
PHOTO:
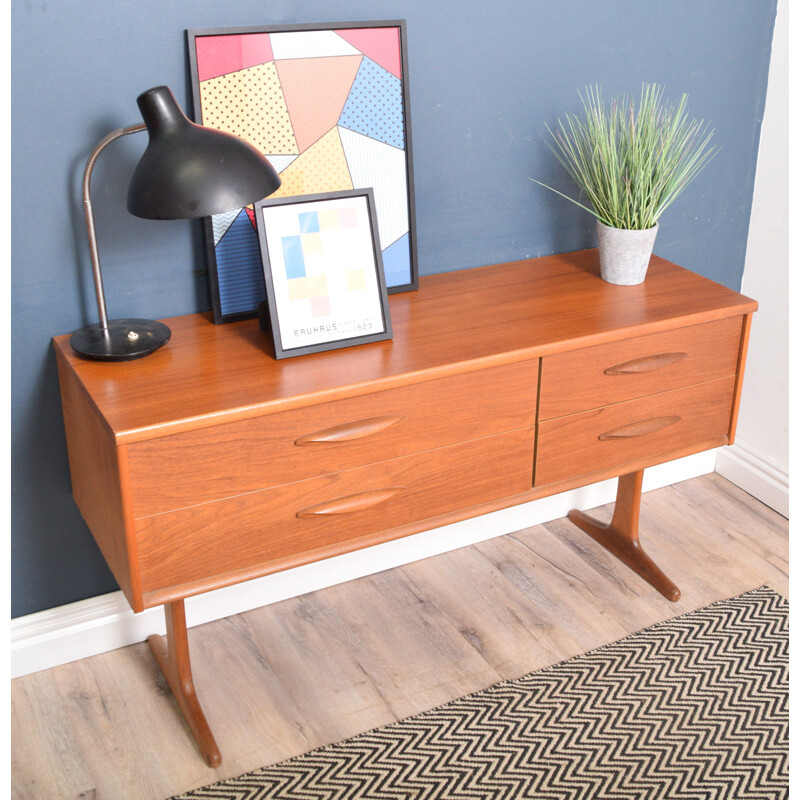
(191, 171)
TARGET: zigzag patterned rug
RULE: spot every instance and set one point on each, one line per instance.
(695, 707)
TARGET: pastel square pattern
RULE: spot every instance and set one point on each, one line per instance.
(356, 280)
(293, 256)
(309, 222)
(312, 244)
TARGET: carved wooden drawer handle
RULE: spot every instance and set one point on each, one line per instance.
(349, 431)
(639, 428)
(350, 504)
(645, 364)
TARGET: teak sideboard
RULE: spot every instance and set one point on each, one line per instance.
(210, 462)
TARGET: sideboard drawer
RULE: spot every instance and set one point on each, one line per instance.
(220, 461)
(257, 528)
(601, 438)
(611, 373)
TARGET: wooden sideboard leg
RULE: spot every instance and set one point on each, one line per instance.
(172, 655)
(621, 536)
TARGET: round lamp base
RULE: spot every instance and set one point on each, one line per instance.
(123, 340)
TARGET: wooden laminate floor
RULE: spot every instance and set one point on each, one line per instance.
(278, 681)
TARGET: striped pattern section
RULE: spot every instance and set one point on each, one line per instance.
(696, 707)
(235, 251)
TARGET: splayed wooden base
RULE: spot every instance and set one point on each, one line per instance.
(621, 536)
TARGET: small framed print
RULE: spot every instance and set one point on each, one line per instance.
(323, 271)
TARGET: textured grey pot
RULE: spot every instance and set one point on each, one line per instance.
(624, 255)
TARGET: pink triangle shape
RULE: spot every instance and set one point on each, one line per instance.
(382, 45)
(219, 55)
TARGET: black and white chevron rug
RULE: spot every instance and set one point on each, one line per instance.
(695, 707)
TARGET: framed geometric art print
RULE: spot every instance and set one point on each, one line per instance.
(327, 104)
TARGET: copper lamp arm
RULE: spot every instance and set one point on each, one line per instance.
(87, 208)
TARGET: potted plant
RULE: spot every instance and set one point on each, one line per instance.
(630, 163)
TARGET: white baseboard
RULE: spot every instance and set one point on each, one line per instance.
(89, 627)
(757, 473)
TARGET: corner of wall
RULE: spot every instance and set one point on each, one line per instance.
(757, 473)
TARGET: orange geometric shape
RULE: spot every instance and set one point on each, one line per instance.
(382, 45)
(322, 168)
(250, 104)
(315, 90)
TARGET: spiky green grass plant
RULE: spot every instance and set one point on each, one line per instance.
(630, 162)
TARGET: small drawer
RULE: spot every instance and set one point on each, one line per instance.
(650, 427)
(246, 532)
(612, 373)
(185, 469)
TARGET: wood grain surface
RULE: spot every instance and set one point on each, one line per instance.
(98, 471)
(601, 437)
(209, 462)
(193, 467)
(206, 429)
(281, 680)
(611, 373)
(457, 322)
(208, 540)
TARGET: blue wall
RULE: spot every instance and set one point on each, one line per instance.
(483, 79)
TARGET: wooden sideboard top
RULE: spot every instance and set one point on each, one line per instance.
(456, 322)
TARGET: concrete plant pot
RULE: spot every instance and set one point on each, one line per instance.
(625, 254)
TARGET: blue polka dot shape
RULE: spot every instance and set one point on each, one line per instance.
(374, 106)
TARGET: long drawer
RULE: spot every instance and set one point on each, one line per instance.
(253, 529)
(220, 461)
(595, 440)
(612, 373)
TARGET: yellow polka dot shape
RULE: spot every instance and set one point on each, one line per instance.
(322, 168)
(250, 104)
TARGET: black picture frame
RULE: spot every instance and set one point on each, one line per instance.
(323, 272)
(370, 139)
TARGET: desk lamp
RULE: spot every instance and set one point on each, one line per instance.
(186, 171)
